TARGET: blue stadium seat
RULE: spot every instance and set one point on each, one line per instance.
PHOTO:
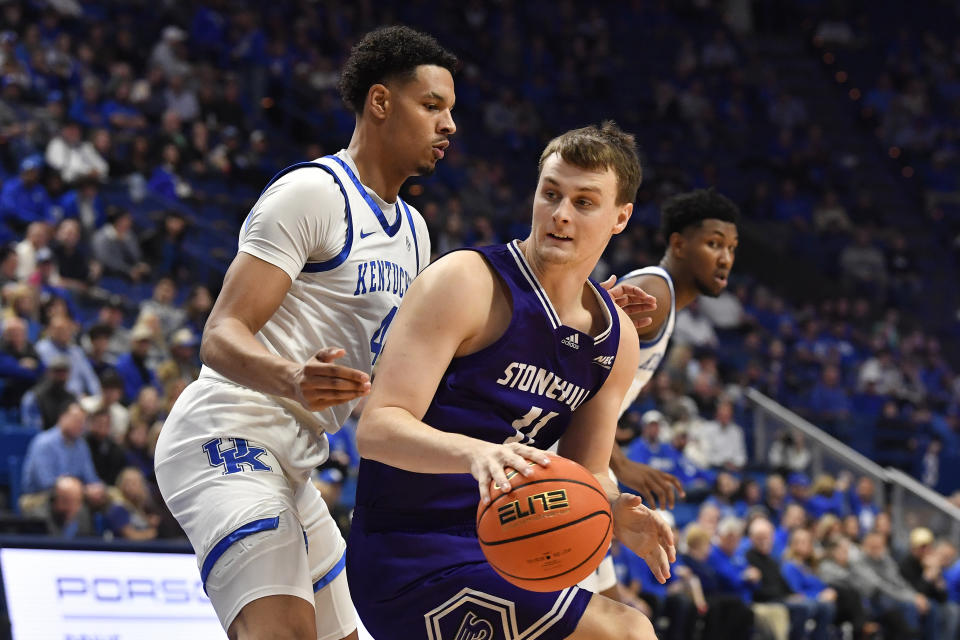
(14, 440)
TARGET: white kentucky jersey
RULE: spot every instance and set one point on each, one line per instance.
(651, 351)
(350, 256)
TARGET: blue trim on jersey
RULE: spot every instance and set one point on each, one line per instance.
(329, 576)
(276, 177)
(413, 232)
(340, 258)
(390, 229)
(264, 524)
(646, 344)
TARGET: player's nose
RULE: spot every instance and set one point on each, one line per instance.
(447, 125)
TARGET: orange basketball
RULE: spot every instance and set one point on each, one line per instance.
(550, 531)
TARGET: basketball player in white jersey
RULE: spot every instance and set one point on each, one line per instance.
(701, 232)
(324, 258)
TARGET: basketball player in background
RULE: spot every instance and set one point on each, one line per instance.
(448, 413)
(700, 228)
(701, 232)
(324, 258)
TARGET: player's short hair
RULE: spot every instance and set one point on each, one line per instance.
(388, 53)
(604, 147)
(692, 208)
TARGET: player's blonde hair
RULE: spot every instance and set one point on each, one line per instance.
(604, 147)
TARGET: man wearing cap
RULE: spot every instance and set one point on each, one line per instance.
(132, 367)
(922, 569)
(44, 402)
(183, 362)
(24, 199)
(60, 342)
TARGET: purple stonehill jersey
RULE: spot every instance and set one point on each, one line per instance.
(523, 387)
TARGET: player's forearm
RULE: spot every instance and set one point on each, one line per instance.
(393, 436)
(609, 486)
(232, 350)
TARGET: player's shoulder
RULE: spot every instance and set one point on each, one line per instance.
(305, 178)
(463, 266)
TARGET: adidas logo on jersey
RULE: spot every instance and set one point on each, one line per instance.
(604, 361)
(572, 341)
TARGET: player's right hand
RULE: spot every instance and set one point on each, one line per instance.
(489, 462)
(320, 384)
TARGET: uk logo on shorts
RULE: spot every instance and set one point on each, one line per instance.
(240, 457)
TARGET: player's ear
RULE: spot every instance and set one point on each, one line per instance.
(378, 101)
(677, 243)
(623, 217)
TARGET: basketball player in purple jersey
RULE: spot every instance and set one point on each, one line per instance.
(496, 354)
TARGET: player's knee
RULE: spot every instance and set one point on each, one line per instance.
(639, 627)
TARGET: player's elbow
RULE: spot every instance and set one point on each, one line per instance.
(367, 441)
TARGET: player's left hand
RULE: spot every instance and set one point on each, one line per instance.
(657, 487)
(645, 533)
(633, 300)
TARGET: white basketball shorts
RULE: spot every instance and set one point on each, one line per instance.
(257, 523)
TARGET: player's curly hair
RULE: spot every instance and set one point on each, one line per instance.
(604, 147)
(388, 53)
(692, 208)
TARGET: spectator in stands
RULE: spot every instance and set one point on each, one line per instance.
(38, 237)
(133, 367)
(83, 203)
(863, 503)
(60, 342)
(8, 266)
(724, 495)
(727, 615)
(788, 453)
(73, 157)
(98, 353)
(863, 266)
(20, 366)
(798, 485)
(826, 497)
(111, 397)
(891, 590)
(136, 443)
(829, 216)
(120, 113)
(197, 308)
(773, 587)
(184, 363)
(115, 247)
(131, 515)
(170, 53)
(43, 404)
(111, 314)
(830, 402)
(65, 512)
(837, 571)
(649, 449)
(161, 304)
(923, 571)
(24, 199)
(880, 371)
(740, 578)
(775, 496)
(723, 439)
(74, 264)
(794, 517)
(61, 451)
(108, 457)
(163, 247)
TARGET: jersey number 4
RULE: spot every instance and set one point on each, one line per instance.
(379, 336)
(524, 433)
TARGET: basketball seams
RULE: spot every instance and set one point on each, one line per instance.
(541, 532)
(604, 542)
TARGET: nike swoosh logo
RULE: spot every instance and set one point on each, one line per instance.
(364, 235)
